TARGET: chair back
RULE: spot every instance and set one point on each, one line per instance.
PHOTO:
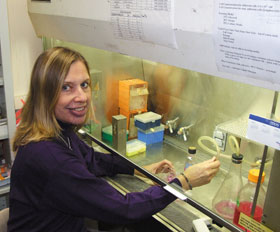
(4, 216)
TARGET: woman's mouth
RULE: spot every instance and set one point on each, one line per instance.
(78, 111)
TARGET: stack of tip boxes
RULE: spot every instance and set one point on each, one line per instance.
(149, 129)
(133, 97)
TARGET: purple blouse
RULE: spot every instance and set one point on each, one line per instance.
(54, 188)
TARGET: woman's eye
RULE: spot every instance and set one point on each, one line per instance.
(65, 87)
(84, 84)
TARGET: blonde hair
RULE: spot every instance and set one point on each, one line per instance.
(38, 121)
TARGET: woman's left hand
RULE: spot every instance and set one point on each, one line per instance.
(163, 166)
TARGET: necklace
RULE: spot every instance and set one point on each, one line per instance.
(68, 143)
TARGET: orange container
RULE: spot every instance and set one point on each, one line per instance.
(133, 95)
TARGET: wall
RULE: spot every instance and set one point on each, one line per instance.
(25, 47)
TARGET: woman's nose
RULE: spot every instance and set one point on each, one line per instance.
(80, 94)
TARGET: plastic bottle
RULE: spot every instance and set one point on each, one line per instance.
(246, 196)
(3, 168)
(224, 202)
(190, 157)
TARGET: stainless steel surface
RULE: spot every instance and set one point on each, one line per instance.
(119, 133)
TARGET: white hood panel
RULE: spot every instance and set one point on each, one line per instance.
(87, 22)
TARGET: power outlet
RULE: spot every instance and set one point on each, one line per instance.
(221, 138)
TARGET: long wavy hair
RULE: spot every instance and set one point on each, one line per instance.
(38, 121)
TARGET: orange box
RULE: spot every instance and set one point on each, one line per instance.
(133, 95)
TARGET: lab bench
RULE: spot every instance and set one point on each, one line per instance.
(177, 216)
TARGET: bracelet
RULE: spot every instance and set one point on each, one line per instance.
(187, 180)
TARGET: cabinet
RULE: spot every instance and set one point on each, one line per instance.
(7, 111)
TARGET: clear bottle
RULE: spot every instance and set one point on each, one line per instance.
(190, 157)
(224, 202)
(246, 197)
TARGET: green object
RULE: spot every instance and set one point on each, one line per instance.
(87, 127)
(107, 134)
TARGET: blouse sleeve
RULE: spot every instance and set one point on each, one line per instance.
(103, 164)
(73, 189)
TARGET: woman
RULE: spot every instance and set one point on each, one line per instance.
(55, 179)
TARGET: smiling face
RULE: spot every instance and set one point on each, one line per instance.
(74, 99)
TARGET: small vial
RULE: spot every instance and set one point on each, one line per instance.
(190, 157)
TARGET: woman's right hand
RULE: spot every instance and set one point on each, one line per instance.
(200, 174)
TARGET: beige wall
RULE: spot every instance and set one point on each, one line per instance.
(25, 47)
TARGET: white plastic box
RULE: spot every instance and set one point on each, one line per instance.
(147, 120)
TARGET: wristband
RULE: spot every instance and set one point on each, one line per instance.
(187, 180)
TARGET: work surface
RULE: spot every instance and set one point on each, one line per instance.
(179, 215)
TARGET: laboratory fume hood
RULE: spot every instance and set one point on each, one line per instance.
(176, 38)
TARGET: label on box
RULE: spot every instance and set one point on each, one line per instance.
(264, 131)
(251, 224)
